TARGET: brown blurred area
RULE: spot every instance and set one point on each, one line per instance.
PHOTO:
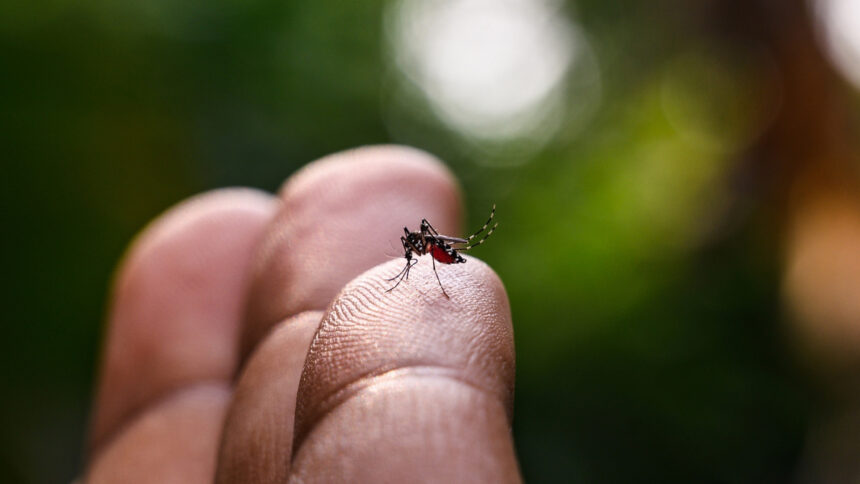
(813, 143)
(810, 157)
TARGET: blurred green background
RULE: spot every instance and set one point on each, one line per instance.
(640, 262)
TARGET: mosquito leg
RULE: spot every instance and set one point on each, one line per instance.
(427, 228)
(406, 253)
(440, 280)
(487, 235)
(405, 269)
(394, 286)
(405, 273)
(492, 214)
(411, 264)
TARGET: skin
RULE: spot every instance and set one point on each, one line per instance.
(250, 339)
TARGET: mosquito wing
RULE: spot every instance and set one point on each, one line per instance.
(450, 240)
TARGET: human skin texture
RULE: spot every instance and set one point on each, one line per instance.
(251, 339)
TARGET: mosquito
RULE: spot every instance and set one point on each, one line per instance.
(442, 248)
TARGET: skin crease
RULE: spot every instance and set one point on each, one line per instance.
(400, 386)
(173, 441)
(264, 398)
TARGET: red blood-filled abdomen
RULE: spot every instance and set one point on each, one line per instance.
(441, 255)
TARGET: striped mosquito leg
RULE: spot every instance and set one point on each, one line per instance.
(492, 214)
(486, 236)
(426, 228)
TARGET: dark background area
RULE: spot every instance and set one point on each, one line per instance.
(640, 233)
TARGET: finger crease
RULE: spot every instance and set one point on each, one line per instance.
(367, 380)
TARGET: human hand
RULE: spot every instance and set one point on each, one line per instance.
(235, 353)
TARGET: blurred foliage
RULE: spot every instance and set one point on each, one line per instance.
(642, 281)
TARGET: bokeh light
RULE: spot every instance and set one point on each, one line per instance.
(491, 69)
(839, 26)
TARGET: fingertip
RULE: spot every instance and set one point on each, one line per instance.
(176, 302)
(373, 162)
(249, 202)
(368, 332)
(410, 372)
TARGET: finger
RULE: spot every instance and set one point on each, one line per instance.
(258, 433)
(173, 441)
(340, 216)
(177, 304)
(410, 386)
